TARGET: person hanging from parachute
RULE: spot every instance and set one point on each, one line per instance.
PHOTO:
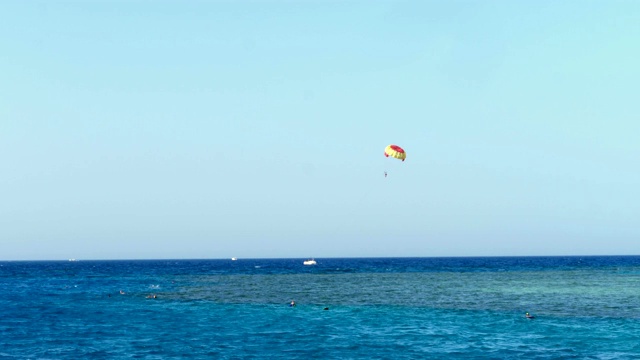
(395, 152)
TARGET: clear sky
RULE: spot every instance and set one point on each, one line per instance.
(211, 129)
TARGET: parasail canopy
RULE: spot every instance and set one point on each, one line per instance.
(395, 151)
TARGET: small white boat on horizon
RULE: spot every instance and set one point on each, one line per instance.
(309, 262)
(234, 259)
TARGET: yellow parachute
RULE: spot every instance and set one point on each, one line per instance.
(395, 151)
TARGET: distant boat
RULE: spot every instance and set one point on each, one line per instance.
(234, 259)
(310, 262)
(72, 259)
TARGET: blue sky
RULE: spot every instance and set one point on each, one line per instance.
(211, 129)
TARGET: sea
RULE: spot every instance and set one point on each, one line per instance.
(584, 307)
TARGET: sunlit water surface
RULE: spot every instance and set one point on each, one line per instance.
(395, 308)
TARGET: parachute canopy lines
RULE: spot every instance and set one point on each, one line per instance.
(395, 151)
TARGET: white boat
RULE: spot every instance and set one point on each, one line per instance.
(234, 259)
(309, 262)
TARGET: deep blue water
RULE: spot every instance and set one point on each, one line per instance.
(384, 308)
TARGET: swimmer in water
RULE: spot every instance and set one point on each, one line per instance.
(529, 316)
(292, 304)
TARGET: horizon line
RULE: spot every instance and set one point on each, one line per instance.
(330, 257)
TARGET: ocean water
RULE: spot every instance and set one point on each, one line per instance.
(381, 308)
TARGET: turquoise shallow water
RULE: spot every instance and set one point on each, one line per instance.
(378, 308)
